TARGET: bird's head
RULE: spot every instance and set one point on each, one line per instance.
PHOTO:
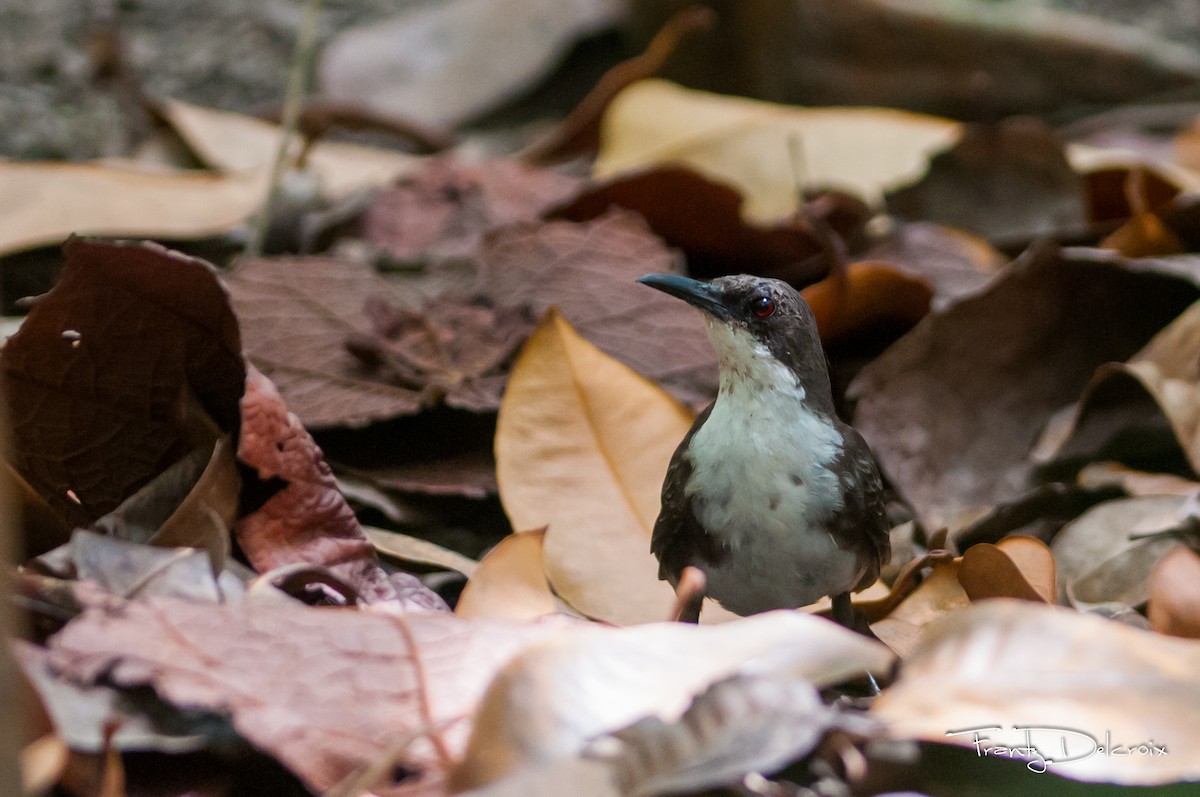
(754, 322)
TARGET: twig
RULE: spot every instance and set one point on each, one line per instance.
(292, 103)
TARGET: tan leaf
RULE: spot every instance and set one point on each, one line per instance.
(582, 446)
(510, 582)
(554, 697)
(938, 594)
(1012, 663)
(750, 144)
(1174, 588)
(414, 549)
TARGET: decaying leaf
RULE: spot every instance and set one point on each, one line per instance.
(258, 663)
(554, 697)
(308, 520)
(1142, 412)
(133, 570)
(952, 409)
(118, 372)
(582, 445)
(1174, 605)
(443, 209)
(764, 150)
(510, 582)
(1076, 681)
(953, 262)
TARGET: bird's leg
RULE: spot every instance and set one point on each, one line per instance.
(843, 611)
(689, 595)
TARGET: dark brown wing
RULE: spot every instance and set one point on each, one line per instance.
(678, 539)
(862, 525)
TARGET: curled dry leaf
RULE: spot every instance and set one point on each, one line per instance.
(582, 446)
(763, 150)
(1012, 663)
(308, 520)
(952, 408)
(510, 582)
(1174, 606)
(868, 296)
(556, 696)
(1142, 412)
(938, 594)
(414, 549)
(118, 372)
(261, 665)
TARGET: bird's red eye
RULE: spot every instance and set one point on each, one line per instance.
(762, 306)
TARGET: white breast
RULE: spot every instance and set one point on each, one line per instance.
(760, 480)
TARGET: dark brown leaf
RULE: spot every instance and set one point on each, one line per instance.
(954, 407)
(118, 372)
(308, 521)
(1005, 181)
(955, 263)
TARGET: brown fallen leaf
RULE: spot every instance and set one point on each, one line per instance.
(1143, 412)
(1135, 484)
(556, 696)
(703, 217)
(1011, 180)
(510, 582)
(939, 593)
(582, 445)
(443, 209)
(953, 262)
(308, 520)
(1017, 567)
(952, 408)
(262, 664)
(749, 145)
(870, 295)
(999, 664)
(1174, 605)
(118, 372)
(589, 272)
(413, 549)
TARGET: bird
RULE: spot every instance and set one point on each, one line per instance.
(770, 494)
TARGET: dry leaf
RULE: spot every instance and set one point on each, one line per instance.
(938, 594)
(953, 262)
(1005, 181)
(1134, 483)
(118, 372)
(1013, 663)
(1018, 567)
(1174, 588)
(589, 272)
(262, 665)
(1141, 412)
(414, 549)
(438, 63)
(764, 150)
(510, 582)
(130, 569)
(443, 209)
(582, 446)
(868, 296)
(953, 407)
(308, 520)
(555, 697)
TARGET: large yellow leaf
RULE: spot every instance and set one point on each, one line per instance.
(582, 445)
(759, 147)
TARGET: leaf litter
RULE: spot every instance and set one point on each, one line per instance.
(424, 315)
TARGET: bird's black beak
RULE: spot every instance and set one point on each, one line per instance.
(694, 292)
